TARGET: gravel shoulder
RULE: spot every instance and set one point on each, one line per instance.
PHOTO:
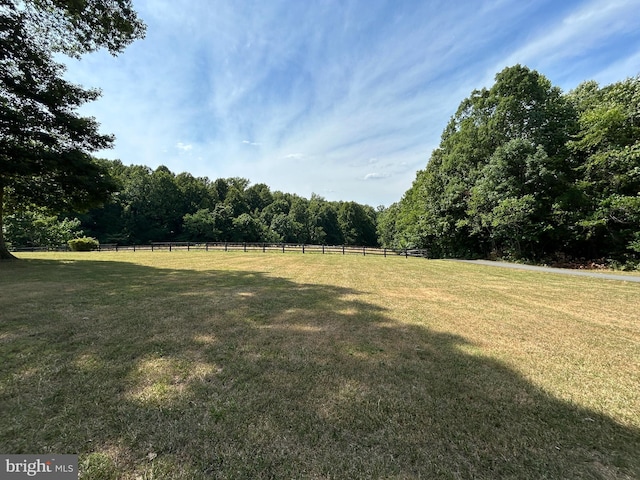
(561, 271)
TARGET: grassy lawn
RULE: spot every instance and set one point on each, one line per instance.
(199, 365)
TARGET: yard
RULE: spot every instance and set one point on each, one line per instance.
(197, 365)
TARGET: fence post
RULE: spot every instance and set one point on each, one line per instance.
(244, 246)
(323, 249)
(406, 253)
(303, 248)
(225, 246)
(343, 249)
(283, 248)
(385, 253)
(364, 251)
(264, 247)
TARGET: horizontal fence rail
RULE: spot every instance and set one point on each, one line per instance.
(245, 247)
(51, 248)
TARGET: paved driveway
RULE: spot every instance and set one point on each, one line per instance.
(561, 271)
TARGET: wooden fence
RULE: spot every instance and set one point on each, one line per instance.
(267, 247)
(246, 247)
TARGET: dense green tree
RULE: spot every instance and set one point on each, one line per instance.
(258, 197)
(323, 225)
(607, 151)
(328, 220)
(200, 226)
(106, 221)
(164, 204)
(222, 223)
(218, 190)
(286, 228)
(524, 170)
(509, 205)
(38, 228)
(45, 145)
(300, 220)
(248, 229)
(429, 213)
(387, 225)
(358, 224)
(446, 209)
(194, 193)
(237, 201)
(138, 226)
(81, 26)
(215, 225)
(279, 206)
(148, 205)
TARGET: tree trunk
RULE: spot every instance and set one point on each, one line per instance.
(5, 254)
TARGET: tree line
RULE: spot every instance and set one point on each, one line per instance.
(158, 205)
(161, 206)
(525, 171)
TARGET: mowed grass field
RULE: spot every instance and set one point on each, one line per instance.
(196, 365)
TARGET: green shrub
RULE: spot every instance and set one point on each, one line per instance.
(83, 244)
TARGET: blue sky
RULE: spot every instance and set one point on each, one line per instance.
(342, 98)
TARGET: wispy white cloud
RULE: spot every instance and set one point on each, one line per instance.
(294, 156)
(184, 147)
(619, 70)
(330, 94)
(376, 176)
(592, 34)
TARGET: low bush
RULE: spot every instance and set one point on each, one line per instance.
(83, 244)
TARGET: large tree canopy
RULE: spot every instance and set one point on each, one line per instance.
(524, 170)
(75, 27)
(45, 145)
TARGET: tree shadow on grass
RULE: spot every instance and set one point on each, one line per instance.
(161, 373)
